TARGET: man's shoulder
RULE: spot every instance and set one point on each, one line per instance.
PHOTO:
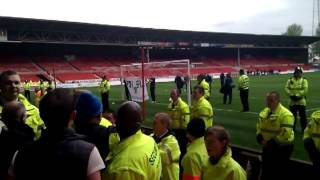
(27, 104)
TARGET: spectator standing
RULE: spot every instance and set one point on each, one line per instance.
(179, 83)
(222, 77)
(88, 118)
(153, 89)
(59, 153)
(227, 89)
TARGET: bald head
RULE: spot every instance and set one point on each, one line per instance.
(174, 94)
(129, 119)
(13, 112)
(272, 100)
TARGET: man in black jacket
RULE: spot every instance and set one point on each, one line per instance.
(59, 153)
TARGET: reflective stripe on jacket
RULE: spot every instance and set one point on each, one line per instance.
(276, 125)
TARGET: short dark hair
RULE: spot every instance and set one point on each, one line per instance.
(196, 127)
(200, 88)
(7, 73)
(56, 107)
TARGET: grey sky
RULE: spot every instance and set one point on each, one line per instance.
(238, 16)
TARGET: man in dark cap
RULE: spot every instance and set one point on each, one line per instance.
(89, 110)
(137, 155)
(196, 155)
(297, 89)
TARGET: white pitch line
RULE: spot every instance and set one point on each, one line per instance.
(312, 109)
(231, 110)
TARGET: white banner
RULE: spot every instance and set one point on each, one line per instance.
(134, 85)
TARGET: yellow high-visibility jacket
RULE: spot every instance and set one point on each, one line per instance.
(104, 86)
(276, 125)
(206, 88)
(134, 158)
(203, 109)
(179, 113)
(170, 154)
(313, 129)
(243, 82)
(299, 88)
(226, 169)
(194, 160)
(27, 86)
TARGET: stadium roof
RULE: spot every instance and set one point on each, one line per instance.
(51, 31)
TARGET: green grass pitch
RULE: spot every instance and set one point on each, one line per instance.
(242, 126)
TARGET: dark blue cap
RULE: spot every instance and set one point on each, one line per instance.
(88, 106)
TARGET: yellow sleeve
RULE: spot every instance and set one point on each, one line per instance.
(307, 130)
(287, 89)
(286, 134)
(258, 126)
(114, 139)
(191, 167)
(304, 91)
(205, 113)
(107, 85)
(262, 115)
(186, 115)
(36, 123)
(105, 122)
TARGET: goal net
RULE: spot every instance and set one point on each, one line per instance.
(135, 76)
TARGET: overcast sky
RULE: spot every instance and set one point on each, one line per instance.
(238, 16)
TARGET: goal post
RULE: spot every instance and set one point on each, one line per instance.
(161, 70)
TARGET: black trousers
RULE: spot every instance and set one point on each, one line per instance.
(105, 101)
(181, 136)
(226, 94)
(295, 109)
(244, 95)
(153, 93)
(128, 96)
(27, 94)
(275, 161)
(314, 156)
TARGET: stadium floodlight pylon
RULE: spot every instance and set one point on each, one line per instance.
(159, 69)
